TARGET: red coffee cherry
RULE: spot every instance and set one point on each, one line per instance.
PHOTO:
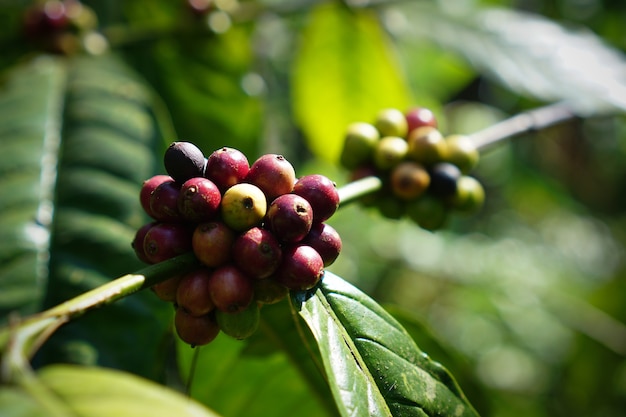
(199, 200)
(321, 193)
(231, 290)
(290, 218)
(257, 253)
(226, 167)
(164, 202)
(211, 243)
(325, 240)
(196, 331)
(166, 290)
(420, 116)
(193, 292)
(273, 174)
(137, 242)
(302, 268)
(167, 240)
(148, 187)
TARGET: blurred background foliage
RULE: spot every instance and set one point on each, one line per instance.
(524, 302)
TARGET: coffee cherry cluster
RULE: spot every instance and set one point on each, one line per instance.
(424, 173)
(257, 231)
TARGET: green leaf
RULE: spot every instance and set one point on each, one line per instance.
(373, 365)
(528, 53)
(345, 71)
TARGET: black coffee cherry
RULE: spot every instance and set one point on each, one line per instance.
(290, 218)
(212, 242)
(193, 294)
(231, 290)
(183, 160)
(240, 325)
(273, 174)
(321, 193)
(164, 202)
(226, 167)
(148, 187)
(257, 253)
(302, 268)
(325, 240)
(195, 330)
(199, 200)
(409, 180)
(443, 179)
(167, 240)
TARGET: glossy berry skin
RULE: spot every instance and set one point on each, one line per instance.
(290, 218)
(443, 179)
(167, 240)
(193, 292)
(226, 167)
(231, 290)
(418, 117)
(195, 331)
(358, 146)
(199, 200)
(389, 152)
(273, 174)
(211, 243)
(239, 325)
(301, 268)
(183, 160)
(325, 240)
(391, 122)
(148, 187)
(462, 152)
(321, 193)
(409, 180)
(164, 202)
(243, 206)
(257, 253)
(137, 243)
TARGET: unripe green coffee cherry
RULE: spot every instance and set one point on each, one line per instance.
(268, 291)
(389, 152)
(243, 206)
(469, 196)
(391, 122)
(391, 207)
(358, 146)
(426, 145)
(462, 152)
(428, 212)
(239, 325)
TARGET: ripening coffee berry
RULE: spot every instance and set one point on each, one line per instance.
(199, 200)
(231, 290)
(391, 122)
(358, 146)
(273, 174)
(243, 206)
(428, 212)
(167, 240)
(193, 294)
(469, 196)
(302, 268)
(268, 291)
(290, 217)
(211, 243)
(164, 202)
(257, 253)
(137, 243)
(148, 187)
(443, 179)
(391, 207)
(389, 152)
(462, 152)
(240, 325)
(321, 193)
(409, 180)
(166, 290)
(426, 145)
(325, 240)
(418, 117)
(226, 167)
(196, 331)
(183, 160)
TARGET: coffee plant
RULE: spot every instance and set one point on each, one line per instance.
(313, 208)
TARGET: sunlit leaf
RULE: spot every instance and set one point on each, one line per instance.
(345, 71)
(373, 365)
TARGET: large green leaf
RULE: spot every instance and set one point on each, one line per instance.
(373, 365)
(74, 391)
(344, 71)
(78, 139)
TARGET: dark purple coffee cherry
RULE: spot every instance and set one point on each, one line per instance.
(325, 240)
(166, 290)
(199, 200)
(231, 290)
(164, 202)
(183, 160)
(212, 243)
(302, 268)
(273, 174)
(443, 179)
(257, 253)
(193, 292)
(148, 187)
(137, 243)
(167, 240)
(290, 218)
(321, 193)
(193, 330)
(226, 167)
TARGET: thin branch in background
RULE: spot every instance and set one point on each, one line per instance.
(192, 370)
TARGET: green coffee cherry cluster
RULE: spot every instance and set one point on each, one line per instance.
(257, 231)
(424, 173)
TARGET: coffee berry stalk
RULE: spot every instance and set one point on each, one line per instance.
(256, 229)
(417, 171)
